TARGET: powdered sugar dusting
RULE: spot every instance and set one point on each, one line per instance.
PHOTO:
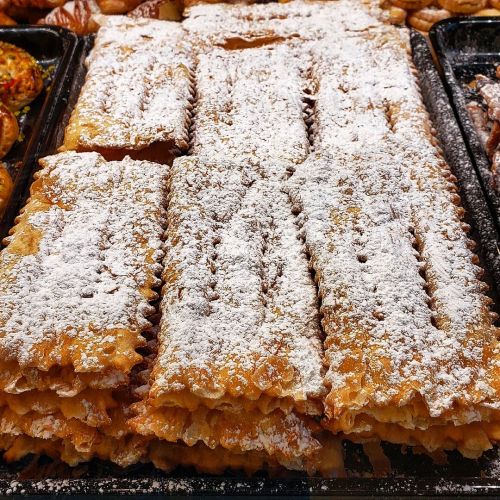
(239, 306)
(395, 272)
(396, 275)
(85, 289)
(137, 89)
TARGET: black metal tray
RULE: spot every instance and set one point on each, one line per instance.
(466, 47)
(412, 474)
(55, 49)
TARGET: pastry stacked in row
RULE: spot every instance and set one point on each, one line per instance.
(289, 198)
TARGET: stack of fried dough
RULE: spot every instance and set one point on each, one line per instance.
(273, 171)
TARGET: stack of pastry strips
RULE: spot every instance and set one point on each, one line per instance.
(76, 281)
(317, 277)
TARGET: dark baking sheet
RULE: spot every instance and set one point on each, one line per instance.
(55, 49)
(466, 47)
(412, 474)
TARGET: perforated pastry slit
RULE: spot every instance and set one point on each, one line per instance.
(296, 211)
(309, 101)
(192, 112)
(146, 96)
(389, 115)
(212, 293)
(417, 245)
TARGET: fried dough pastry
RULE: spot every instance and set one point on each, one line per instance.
(463, 6)
(88, 316)
(9, 130)
(152, 123)
(423, 19)
(20, 77)
(392, 272)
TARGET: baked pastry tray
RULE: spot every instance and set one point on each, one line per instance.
(55, 49)
(465, 48)
(410, 473)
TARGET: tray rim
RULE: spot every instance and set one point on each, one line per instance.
(475, 149)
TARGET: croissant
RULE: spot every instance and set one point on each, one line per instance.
(9, 130)
(20, 77)
(75, 15)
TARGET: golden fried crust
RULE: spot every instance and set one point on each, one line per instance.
(124, 451)
(286, 437)
(423, 19)
(90, 406)
(9, 131)
(488, 13)
(20, 77)
(6, 186)
(471, 440)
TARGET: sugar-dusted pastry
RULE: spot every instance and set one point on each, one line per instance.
(423, 19)
(463, 6)
(9, 130)
(6, 186)
(239, 325)
(229, 120)
(86, 269)
(148, 62)
(400, 289)
(20, 77)
(97, 262)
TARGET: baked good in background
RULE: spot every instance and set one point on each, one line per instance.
(21, 81)
(21, 78)
(6, 186)
(9, 129)
(73, 14)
